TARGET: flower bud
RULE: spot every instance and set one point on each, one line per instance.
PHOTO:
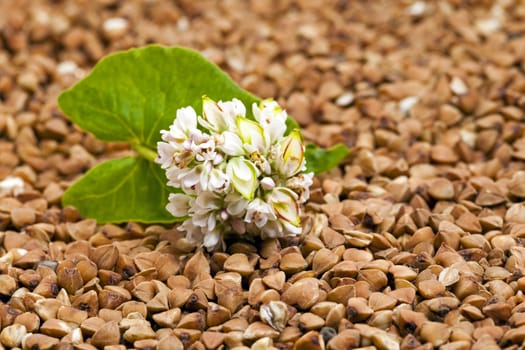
(284, 202)
(243, 175)
(290, 157)
(252, 134)
(267, 183)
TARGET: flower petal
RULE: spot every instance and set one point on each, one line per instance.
(165, 153)
(211, 240)
(231, 144)
(235, 204)
(243, 176)
(213, 115)
(184, 123)
(218, 181)
(251, 133)
(233, 108)
(272, 118)
(179, 204)
(284, 202)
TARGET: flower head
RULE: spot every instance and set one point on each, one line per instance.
(235, 174)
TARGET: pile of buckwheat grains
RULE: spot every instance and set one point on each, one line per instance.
(415, 242)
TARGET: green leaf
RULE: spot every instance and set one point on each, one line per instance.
(132, 95)
(320, 160)
(121, 190)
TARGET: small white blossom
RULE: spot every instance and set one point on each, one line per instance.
(179, 204)
(272, 119)
(202, 145)
(236, 204)
(259, 212)
(230, 143)
(196, 235)
(252, 135)
(291, 229)
(273, 229)
(191, 179)
(182, 126)
(214, 119)
(166, 154)
(284, 202)
(232, 109)
(290, 155)
(243, 175)
(235, 174)
(218, 181)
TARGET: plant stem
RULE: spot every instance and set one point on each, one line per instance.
(144, 152)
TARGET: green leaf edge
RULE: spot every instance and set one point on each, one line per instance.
(91, 176)
(320, 160)
(63, 98)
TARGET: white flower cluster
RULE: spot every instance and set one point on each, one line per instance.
(235, 174)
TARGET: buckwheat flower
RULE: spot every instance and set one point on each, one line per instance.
(187, 179)
(267, 183)
(290, 154)
(205, 212)
(218, 181)
(213, 118)
(175, 174)
(236, 204)
(259, 213)
(243, 175)
(211, 240)
(232, 109)
(179, 204)
(183, 125)
(261, 162)
(290, 229)
(272, 229)
(252, 135)
(166, 154)
(230, 143)
(203, 146)
(272, 119)
(284, 202)
(237, 175)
